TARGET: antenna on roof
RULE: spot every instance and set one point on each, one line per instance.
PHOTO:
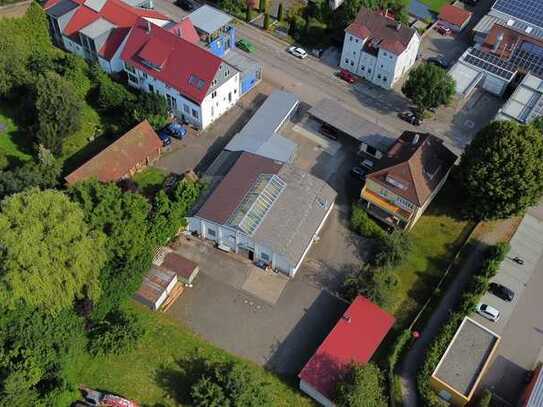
(415, 139)
(148, 26)
(347, 318)
(398, 25)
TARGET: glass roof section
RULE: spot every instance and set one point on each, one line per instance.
(257, 202)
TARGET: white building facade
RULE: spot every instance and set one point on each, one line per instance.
(379, 49)
(218, 100)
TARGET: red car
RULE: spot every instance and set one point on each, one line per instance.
(443, 30)
(347, 76)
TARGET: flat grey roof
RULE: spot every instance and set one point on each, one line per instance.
(467, 354)
(259, 136)
(97, 28)
(340, 117)
(241, 61)
(291, 223)
(208, 19)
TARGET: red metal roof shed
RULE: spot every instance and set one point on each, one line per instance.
(354, 339)
(454, 15)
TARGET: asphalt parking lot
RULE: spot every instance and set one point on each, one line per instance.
(280, 334)
(521, 322)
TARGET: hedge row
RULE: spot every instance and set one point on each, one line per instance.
(470, 297)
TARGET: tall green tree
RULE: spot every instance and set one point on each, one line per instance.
(429, 86)
(43, 173)
(58, 109)
(363, 386)
(123, 218)
(280, 12)
(502, 170)
(49, 254)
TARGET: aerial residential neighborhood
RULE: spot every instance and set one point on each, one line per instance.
(303, 203)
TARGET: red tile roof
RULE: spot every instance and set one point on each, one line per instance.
(182, 60)
(454, 15)
(116, 160)
(354, 339)
(234, 186)
(381, 29)
(118, 13)
(418, 161)
(186, 30)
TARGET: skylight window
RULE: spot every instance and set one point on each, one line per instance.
(196, 82)
(256, 204)
(396, 183)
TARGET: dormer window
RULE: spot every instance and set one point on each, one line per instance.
(396, 183)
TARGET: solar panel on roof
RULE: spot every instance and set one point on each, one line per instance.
(490, 63)
(530, 11)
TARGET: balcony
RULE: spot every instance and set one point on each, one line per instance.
(388, 212)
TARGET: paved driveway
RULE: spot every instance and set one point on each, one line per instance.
(521, 324)
(230, 305)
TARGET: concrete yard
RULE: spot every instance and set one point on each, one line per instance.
(255, 314)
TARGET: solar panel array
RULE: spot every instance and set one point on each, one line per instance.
(256, 204)
(529, 57)
(530, 11)
(490, 63)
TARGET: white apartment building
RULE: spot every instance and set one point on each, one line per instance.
(198, 86)
(378, 48)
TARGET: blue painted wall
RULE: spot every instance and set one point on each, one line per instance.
(223, 43)
(248, 82)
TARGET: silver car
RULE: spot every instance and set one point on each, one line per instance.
(298, 52)
(488, 312)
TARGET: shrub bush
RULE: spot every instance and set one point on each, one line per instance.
(485, 399)
(392, 249)
(361, 223)
(362, 386)
(118, 333)
(377, 284)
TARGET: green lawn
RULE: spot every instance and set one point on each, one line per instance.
(436, 238)
(435, 5)
(12, 142)
(153, 373)
(150, 180)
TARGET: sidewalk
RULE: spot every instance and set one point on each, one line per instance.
(485, 235)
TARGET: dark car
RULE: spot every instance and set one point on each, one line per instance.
(359, 172)
(185, 5)
(328, 131)
(438, 61)
(175, 130)
(501, 291)
(410, 118)
(166, 139)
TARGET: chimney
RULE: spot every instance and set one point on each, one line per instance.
(346, 318)
(398, 25)
(147, 26)
(416, 137)
(499, 39)
(386, 12)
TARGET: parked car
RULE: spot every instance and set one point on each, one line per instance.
(501, 291)
(410, 118)
(347, 76)
(186, 5)
(443, 30)
(170, 181)
(298, 52)
(246, 45)
(359, 172)
(328, 131)
(438, 61)
(369, 164)
(488, 312)
(97, 398)
(166, 139)
(175, 130)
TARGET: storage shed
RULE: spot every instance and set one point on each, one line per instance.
(157, 285)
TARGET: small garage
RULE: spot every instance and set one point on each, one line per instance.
(374, 140)
(250, 70)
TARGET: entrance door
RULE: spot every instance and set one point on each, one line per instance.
(251, 255)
